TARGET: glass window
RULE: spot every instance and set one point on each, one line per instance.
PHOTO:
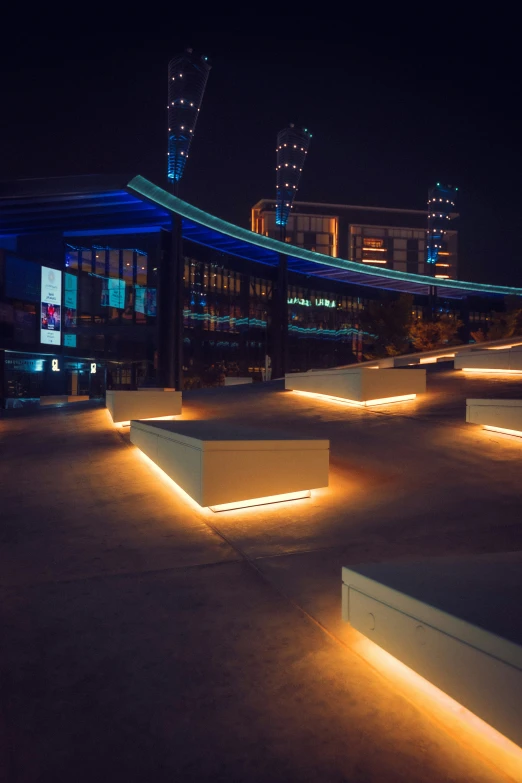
(399, 244)
(86, 260)
(71, 257)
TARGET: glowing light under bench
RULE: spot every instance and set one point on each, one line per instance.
(360, 386)
(455, 623)
(124, 406)
(491, 360)
(503, 416)
(223, 467)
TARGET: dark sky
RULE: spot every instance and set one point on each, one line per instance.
(395, 104)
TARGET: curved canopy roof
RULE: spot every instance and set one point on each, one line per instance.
(210, 230)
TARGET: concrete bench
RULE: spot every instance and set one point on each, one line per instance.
(490, 360)
(235, 381)
(62, 399)
(219, 464)
(144, 404)
(496, 414)
(455, 621)
(364, 386)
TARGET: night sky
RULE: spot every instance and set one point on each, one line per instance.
(393, 107)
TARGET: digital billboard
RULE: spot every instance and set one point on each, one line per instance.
(113, 293)
(50, 306)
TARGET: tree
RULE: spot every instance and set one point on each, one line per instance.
(428, 335)
(386, 323)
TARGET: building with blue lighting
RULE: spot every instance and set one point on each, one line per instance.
(82, 262)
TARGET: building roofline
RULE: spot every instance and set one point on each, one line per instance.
(312, 262)
(271, 201)
(42, 187)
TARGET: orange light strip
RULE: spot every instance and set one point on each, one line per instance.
(269, 499)
(374, 249)
(356, 403)
(152, 418)
(487, 370)
(516, 433)
(502, 347)
(186, 498)
(374, 261)
(434, 359)
(442, 277)
(460, 722)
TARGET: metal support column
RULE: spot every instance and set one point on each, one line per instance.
(170, 309)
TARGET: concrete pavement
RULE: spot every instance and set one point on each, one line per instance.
(146, 640)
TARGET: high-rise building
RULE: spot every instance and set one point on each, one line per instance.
(292, 148)
(383, 237)
(440, 249)
(188, 75)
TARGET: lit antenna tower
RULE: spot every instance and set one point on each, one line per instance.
(292, 149)
(188, 77)
(441, 203)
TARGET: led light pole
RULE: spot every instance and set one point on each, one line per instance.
(292, 149)
(187, 79)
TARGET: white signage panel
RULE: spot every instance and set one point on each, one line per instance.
(50, 306)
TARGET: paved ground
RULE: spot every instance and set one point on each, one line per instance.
(146, 641)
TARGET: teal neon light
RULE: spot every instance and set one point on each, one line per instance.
(159, 196)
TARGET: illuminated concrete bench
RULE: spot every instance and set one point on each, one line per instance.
(364, 386)
(62, 399)
(454, 621)
(217, 464)
(491, 360)
(503, 415)
(144, 404)
(235, 381)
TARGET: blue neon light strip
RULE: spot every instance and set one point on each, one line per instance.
(318, 264)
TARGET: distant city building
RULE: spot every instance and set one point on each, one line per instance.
(374, 236)
(188, 76)
(441, 242)
(292, 148)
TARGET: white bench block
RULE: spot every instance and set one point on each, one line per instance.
(508, 360)
(454, 621)
(143, 404)
(362, 385)
(504, 414)
(235, 381)
(217, 464)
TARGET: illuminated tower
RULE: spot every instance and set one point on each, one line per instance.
(188, 77)
(292, 149)
(441, 205)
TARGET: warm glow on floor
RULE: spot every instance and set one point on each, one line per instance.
(365, 403)
(240, 504)
(261, 501)
(489, 371)
(435, 359)
(170, 483)
(152, 418)
(504, 431)
(459, 721)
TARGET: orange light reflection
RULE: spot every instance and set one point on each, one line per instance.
(151, 418)
(464, 725)
(489, 371)
(516, 433)
(365, 403)
(269, 499)
(242, 504)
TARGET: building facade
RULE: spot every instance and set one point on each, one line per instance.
(375, 236)
(83, 261)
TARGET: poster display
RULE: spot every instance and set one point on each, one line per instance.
(113, 293)
(139, 299)
(150, 302)
(70, 301)
(50, 306)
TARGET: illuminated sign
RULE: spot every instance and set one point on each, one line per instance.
(113, 293)
(50, 306)
(69, 340)
(55, 366)
(308, 303)
(325, 302)
(93, 368)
